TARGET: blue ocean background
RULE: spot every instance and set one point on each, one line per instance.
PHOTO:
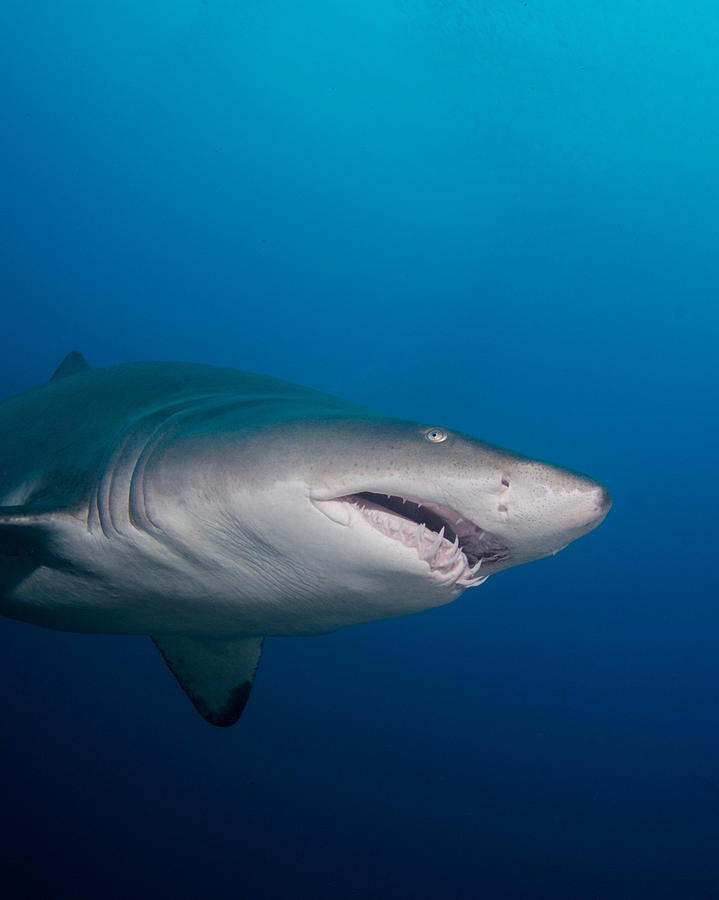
(499, 216)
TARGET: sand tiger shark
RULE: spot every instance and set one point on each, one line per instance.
(210, 508)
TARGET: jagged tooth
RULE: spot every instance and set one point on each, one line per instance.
(468, 582)
(418, 535)
(473, 571)
(457, 554)
(435, 548)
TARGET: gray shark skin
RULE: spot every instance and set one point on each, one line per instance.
(210, 508)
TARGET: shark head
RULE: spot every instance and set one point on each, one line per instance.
(350, 518)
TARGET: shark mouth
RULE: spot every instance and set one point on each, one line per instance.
(452, 545)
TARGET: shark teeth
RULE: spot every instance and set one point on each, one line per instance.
(453, 547)
(435, 548)
(444, 557)
(470, 576)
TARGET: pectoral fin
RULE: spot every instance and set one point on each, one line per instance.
(215, 674)
(26, 538)
(23, 531)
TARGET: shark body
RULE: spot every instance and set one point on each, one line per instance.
(210, 508)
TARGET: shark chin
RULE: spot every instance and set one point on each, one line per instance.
(209, 508)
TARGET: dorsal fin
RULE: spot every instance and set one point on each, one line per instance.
(215, 674)
(73, 364)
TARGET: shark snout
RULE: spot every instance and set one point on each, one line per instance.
(602, 501)
(545, 507)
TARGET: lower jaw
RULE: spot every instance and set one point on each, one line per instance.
(447, 564)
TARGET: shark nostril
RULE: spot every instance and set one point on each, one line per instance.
(505, 481)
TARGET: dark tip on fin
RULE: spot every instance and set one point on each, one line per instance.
(236, 701)
(216, 674)
(73, 364)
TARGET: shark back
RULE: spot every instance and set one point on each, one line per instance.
(56, 436)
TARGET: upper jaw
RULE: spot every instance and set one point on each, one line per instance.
(457, 551)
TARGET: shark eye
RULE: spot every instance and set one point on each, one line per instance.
(435, 435)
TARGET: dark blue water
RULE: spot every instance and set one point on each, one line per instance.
(499, 216)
